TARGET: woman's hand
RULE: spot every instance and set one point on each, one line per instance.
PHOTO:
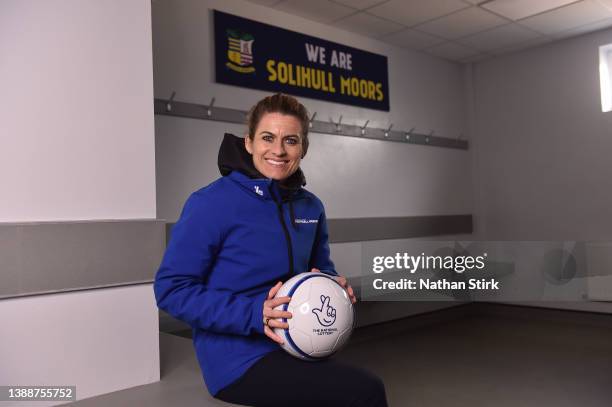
(342, 281)
(270, 315)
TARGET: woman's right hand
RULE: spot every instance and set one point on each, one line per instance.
(270, 315)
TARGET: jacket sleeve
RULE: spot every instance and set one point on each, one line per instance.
(320, 256)
(180, 287)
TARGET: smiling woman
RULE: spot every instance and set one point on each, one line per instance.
(276, 146)
(236, 242)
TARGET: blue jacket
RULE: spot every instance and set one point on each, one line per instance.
(234, 240)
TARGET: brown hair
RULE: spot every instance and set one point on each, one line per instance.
(284, 104)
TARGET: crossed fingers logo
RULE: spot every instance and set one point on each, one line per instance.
(326, 314)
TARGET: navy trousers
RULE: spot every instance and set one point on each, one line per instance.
(279, 379)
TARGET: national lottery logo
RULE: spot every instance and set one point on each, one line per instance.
(326, 314)
(240, 51)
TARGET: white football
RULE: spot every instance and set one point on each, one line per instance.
(323, 316)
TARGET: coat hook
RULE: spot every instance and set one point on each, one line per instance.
(210, 106)
(338, 124)
(388, 130)
(169, 103)
(409, 133)
(363, 129)
(311, 120)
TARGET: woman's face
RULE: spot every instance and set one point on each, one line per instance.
(277, 145)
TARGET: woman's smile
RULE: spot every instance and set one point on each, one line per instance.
(275, 163)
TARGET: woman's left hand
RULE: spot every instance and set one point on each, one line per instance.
(342, 281)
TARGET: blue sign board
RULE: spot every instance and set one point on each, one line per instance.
(260, 56)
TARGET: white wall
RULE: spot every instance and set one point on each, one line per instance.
(77, 143)
(542, 146)
(543, 143)
(100, 340)
(353, 177)
(76, 139)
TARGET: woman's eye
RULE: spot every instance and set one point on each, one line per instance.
(267, 138)
(291, 141)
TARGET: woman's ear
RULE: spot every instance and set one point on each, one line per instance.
(247, 144)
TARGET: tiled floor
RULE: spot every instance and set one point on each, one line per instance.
(504, 356)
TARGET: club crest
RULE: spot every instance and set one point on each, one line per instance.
(240, 51)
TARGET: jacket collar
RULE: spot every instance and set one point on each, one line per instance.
(261, 187)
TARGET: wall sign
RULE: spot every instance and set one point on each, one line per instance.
(260, 56)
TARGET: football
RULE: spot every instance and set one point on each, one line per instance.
(323, 316)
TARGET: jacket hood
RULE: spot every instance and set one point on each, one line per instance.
(233, 156)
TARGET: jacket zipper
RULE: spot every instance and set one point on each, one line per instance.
(279, 205)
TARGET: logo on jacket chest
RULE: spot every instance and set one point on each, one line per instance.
(258, 191)
(307, 221)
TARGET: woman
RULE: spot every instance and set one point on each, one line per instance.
(235, 242)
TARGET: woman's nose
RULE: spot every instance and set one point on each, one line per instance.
(278, 148)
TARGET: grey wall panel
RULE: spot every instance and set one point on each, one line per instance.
(362, 229)
(9, 259)
(347, 256)
(365, 229)
(50, 257)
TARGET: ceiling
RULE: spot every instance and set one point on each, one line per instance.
(457, 30)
